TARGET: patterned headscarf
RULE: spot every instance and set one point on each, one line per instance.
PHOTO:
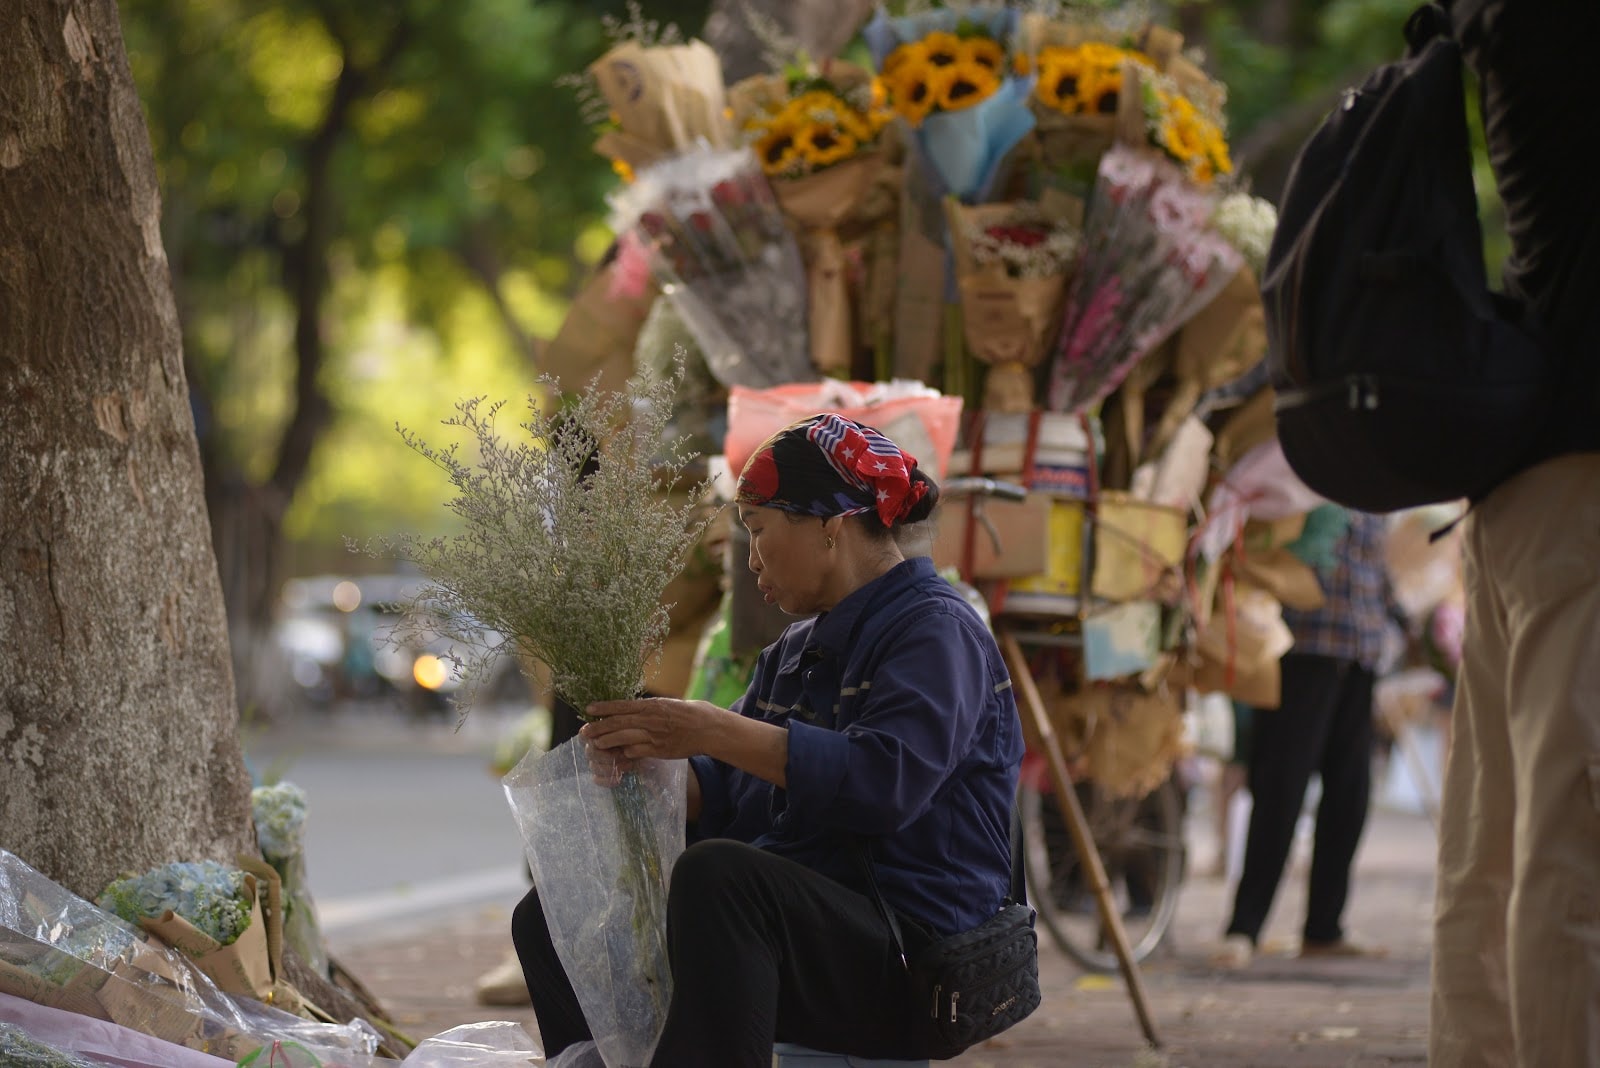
(829, 465)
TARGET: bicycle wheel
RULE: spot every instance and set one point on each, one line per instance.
(1140, 842)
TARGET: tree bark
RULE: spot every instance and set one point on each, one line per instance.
(118, 730)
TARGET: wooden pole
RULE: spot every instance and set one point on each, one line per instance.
(1078, 825)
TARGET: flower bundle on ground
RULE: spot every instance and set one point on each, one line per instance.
(211, 896)
(280, 817)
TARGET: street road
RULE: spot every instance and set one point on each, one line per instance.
(403, 817)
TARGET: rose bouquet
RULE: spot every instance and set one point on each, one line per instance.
(1012, 262)
(816, 134)
(1150, 261)
(1227, 337)
(949, 78)
(717, 242)
(569, 539)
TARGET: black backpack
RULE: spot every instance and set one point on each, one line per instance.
(1401, 379)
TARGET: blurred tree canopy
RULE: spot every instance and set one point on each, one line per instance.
(374, 207)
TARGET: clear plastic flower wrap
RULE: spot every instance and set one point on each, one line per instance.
(719, 246)
(18, 1050)
(1150, 261)
(58, 950)
(601, 857)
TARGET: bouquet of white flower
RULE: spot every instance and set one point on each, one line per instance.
(569, 540)
(207, 911)
(280, 816)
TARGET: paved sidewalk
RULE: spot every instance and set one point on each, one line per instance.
(1279, 1012)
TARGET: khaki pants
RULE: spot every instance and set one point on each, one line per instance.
(1516, 965)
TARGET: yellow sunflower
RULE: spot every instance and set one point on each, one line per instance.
(778, 148)
(821, 145)
(1100, 91)
(916, 91)
(942, 49)
(970, 84)
(983, 51)
(911, 54)
(1060, 70)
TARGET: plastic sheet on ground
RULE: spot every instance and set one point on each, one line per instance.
(492, 1044)
(601, 857)
(60, 951)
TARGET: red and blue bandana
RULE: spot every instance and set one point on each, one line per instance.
(829, 465)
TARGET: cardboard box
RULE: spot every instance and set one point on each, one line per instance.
(1136, 545)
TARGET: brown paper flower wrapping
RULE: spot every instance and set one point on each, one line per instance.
(818, 204)
(1008, 322)
(665, 98)
(1221, 342)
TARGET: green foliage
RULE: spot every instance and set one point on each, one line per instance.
(460, 166)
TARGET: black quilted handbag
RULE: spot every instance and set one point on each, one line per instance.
(975, 984)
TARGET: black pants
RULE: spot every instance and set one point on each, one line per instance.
(1323, 725)
(762, 950)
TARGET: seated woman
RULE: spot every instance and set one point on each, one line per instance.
(887, 716)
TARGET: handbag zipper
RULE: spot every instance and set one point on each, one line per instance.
(933, 1012)
(955, 996)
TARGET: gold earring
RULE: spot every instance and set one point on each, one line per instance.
(828, 540)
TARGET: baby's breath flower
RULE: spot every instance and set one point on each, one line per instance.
(209, 895)
(1247, 223)
(570, 537)
(280, 815)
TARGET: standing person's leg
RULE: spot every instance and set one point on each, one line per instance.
(1346, 771)
(555, 1003)
(766, 950)
(1286, 746)
(1470, 1018)
(1550, 582)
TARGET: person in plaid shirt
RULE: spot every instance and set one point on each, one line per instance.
(1323, 725)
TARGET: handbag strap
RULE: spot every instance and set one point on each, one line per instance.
(858, 849)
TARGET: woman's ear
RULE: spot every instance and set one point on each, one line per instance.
(831, 528)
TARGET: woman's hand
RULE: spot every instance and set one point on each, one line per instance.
(660, 727)
(669, 729)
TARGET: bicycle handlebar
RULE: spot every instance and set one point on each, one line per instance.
(979, 486)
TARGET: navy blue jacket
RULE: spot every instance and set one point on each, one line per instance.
(902, 729)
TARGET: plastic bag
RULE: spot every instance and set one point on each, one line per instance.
(477, 1045)
(18, 1050)
(915, 417)
(601, 858)
(58, 950)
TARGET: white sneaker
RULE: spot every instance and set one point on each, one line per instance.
(504, 985)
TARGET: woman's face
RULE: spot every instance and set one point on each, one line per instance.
(789, 557)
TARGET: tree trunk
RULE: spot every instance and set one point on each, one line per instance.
(118, 730)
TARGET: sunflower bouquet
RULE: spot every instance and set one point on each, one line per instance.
(1012, 263)
(816, 133)
(948, 76)
(718, 244)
